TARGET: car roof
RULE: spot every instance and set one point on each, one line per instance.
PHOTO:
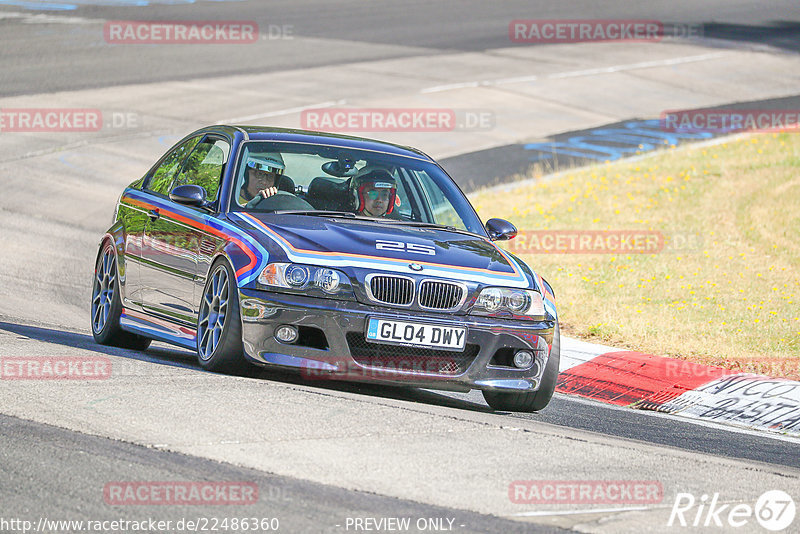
(265, 133)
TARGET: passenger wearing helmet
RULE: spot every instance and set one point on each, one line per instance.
(261, 178)
(374, 193)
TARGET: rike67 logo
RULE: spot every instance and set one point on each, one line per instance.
(774, 510)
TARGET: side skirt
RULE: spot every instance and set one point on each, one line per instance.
(158, 329)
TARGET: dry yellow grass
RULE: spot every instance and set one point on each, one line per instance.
(731, 298)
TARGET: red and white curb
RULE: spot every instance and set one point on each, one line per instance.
(685, 389)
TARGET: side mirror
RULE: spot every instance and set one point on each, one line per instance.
(188, 194)
(500, 229)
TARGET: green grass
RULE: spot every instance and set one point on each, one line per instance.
(730, 299)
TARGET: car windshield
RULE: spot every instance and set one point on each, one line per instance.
(299, 177)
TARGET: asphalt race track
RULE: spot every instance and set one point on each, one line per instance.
(322, 454)
(338, 34)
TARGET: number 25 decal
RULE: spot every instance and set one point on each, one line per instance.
(399, 246)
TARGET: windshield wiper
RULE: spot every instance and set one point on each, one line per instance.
(335, 214)
(317, 213)
(420, 224)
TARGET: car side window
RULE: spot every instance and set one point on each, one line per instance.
(161, 179)
(205, 166)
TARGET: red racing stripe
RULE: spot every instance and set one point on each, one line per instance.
(204, 227)
(623, 378)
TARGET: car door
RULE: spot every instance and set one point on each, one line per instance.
(135, 216)
(174, 235)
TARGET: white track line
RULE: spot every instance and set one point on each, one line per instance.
(280, 112)
(575, 73)
(581, 512)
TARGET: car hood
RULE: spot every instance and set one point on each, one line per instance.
(348, 243)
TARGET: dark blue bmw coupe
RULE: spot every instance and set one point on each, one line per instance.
(337, 257)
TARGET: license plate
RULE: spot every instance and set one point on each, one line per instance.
(416, 334)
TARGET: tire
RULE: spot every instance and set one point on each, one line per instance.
(536, 400)
(106, 307)
(219, 325)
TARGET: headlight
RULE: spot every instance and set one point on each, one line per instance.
(307, 280)
(328, 280)
(507, 302)
(297, 276)
(490, 299)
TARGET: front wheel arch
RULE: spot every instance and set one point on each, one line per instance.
(219, 322)
(532, 401)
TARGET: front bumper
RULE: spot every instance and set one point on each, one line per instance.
(343, 353)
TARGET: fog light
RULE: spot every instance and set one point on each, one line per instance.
(286, 334)
(523, 359)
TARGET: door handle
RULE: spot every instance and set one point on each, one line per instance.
(153, 214)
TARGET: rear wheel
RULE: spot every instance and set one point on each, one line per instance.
(219, 326)
(536, 400)
(107, 304)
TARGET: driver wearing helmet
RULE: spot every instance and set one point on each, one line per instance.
(261, 178)
(374, 193)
